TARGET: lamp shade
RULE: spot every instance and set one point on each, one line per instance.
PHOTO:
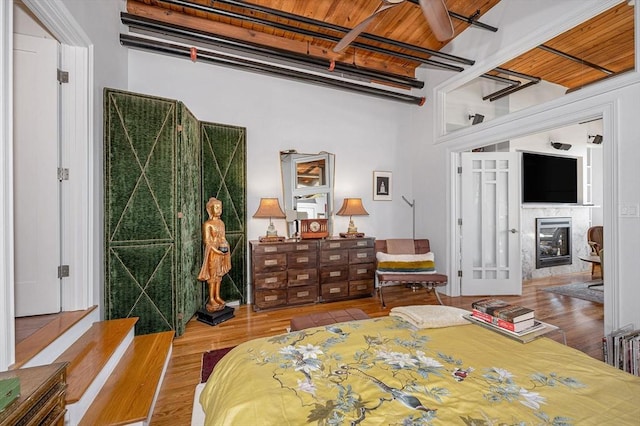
(269, 207)
(352, 207)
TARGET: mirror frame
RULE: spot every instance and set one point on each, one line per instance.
(289, 161)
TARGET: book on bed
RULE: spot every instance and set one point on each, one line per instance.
(503, 310)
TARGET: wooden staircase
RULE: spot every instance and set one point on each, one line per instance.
(113, 376)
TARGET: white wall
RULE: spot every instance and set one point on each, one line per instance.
(365, 133)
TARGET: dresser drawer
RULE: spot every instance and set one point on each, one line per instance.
(271, 280)
(361, 288)
(336, 290)
(270, 262)
(265, 299)
(311, 246)
(365, 255)
(334, 273)
(305, 294)
(362, 271)
(334, 257)
(298, 277)
(262, 248)
(302, 259)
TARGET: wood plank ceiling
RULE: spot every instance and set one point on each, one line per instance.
(396, 43)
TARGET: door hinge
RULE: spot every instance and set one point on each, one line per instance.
(460, 170)
(63, 173)
(63, 271)
(63, 76)
(459, 273)
(459, 222)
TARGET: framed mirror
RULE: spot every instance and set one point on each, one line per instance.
(307, 181)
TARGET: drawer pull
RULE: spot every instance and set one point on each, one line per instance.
(270, 249)
(302, 260)
(271, 280)
(361, 271)
(302, 277)
(302, 247)
(334, 245)
(361, 255)
(302, 293)
(334, 290)
(361, 287)
(270, 298)
(335, 273)
(334, 257)
(270, 262)
(361, 243)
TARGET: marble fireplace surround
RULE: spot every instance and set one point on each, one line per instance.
(580, 223)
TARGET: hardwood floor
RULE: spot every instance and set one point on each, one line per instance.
(581, 320)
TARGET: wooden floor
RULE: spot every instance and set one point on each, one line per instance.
(582, 321)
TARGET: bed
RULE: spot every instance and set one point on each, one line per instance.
(388, 371)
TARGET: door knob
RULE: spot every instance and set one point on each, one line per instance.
(513, 230)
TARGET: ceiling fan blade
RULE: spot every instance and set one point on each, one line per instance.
(355, 32)
(437, 15)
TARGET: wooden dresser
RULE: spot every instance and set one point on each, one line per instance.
(284, 274)
(347, 268)
(311, 271)
(42, 396)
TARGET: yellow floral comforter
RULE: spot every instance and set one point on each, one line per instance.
(385, 372)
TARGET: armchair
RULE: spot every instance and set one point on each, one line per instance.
(415, 277)
(595, 239)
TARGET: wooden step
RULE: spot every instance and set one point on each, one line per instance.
(48, 342)
(129, 394)
(91, 360)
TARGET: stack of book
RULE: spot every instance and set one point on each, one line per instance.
(506, 316)
(621, 348)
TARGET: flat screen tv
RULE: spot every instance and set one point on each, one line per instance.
(549, 178)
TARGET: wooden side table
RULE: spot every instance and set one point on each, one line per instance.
(42, 396)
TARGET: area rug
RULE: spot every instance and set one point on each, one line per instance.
(209, 360)
(579, 291)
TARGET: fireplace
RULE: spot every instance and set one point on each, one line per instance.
(553, 240)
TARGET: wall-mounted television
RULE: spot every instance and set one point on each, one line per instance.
(549, 178)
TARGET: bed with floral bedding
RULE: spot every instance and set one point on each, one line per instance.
(386, 371)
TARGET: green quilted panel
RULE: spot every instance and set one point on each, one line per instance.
(140, 209)
(139, 167)
(137, 287)
(189, 239)
(224, 177)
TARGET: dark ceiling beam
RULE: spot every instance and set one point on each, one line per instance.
(575, 59)
(514, 85)
(310, 33)
(259, 67)
(319, 64)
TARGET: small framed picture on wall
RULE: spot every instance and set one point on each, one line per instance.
(382, 186)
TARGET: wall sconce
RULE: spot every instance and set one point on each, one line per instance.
(477, 118)
(561, 146)
(597, 139)
(352, 207)
(270, 207)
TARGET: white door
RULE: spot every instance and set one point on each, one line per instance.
(490, 238)
(36, 187)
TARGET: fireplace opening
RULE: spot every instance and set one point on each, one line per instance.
(553, 240)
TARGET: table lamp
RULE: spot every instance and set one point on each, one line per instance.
(270, 207)
(352, 207)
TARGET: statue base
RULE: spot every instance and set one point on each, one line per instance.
(216, 317)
